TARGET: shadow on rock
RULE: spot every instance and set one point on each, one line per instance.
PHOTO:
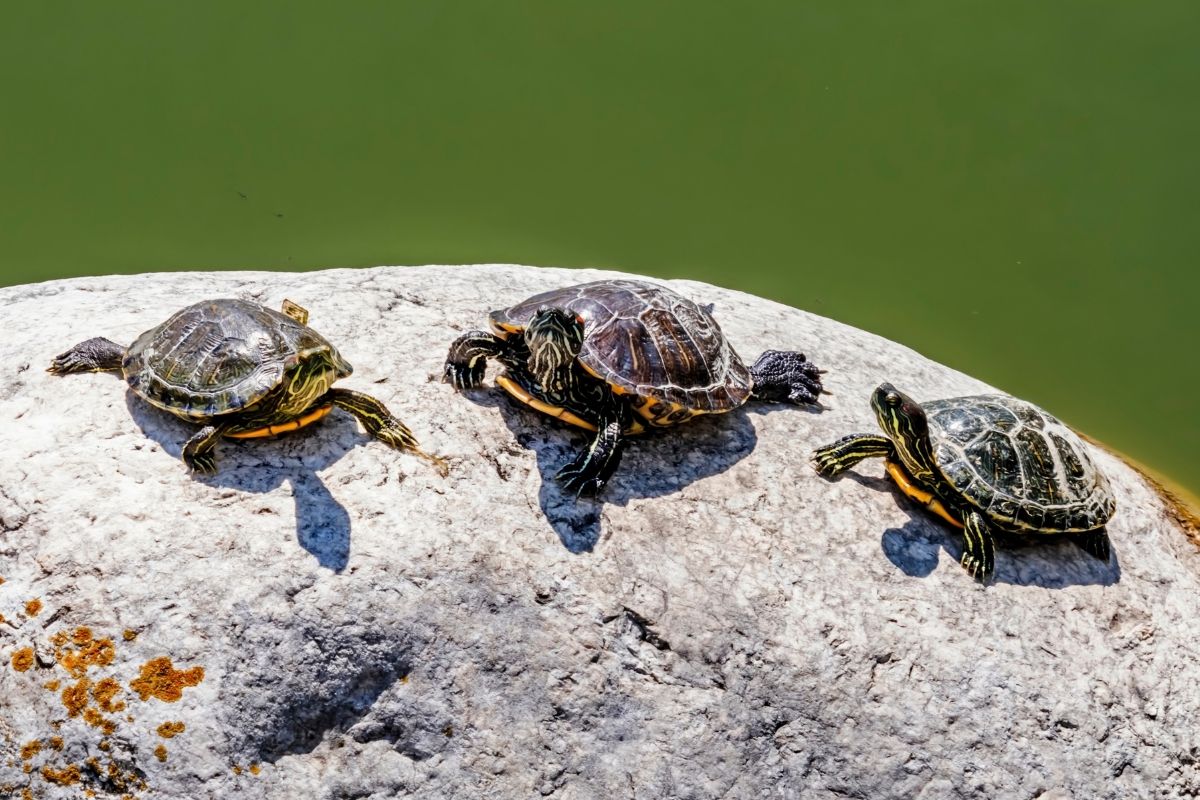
(1048, 561)
(262, 465)
(653, 465)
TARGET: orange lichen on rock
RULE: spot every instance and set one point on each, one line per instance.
(56, 742)
(129, 635)
(63, 777)
(33, 607)
(51, 686)
(87, 652)
(160, 753)
(31, 749)
(169, 730)
(237, 770)
(22, 659)
(160, 679)
(104, 692)
(97, 720)
(254, 769)
(75, 698)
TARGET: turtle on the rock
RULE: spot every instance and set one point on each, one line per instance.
(617, 357)
(985, 463)
(242, 371)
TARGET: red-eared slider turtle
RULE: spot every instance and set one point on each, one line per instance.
(617, 357)
(985, 463)
(240, 370)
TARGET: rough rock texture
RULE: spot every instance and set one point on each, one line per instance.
(724, 624)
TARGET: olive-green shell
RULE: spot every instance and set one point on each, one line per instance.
(220, 356)
(1017, 464)
(646, 340)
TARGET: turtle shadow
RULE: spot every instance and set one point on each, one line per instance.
(1049, 562)
(654, 464)
(259, 466)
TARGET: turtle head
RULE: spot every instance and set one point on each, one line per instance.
(554, 338)
(904, 421)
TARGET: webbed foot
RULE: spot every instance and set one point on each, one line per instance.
(467, 359)
(590, 471)
(786, 376)
(94, 355)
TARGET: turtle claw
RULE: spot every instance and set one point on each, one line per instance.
(574, 479)
(464, 376)
(203, 464)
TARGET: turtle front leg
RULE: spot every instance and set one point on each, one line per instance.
(467, 360)
(979, 552)
(834, 459)
(590, 471)
(200, 451)
(94, 355)
(380, 423)
(785, 376)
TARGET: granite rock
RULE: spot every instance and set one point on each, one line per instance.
(343, 622)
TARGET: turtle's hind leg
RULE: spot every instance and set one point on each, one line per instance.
(1095, 543)
(94, 355)
(785, 376)
(381, 424)
(200, 451)
(467, 359)
(834, 459)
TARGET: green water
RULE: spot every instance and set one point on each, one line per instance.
(1008, 187)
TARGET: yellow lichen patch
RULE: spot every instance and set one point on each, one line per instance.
(104, 693)
(33, 607)
(161, 680)
(31, 749)
(97, 720)
(26, 794)
(129, 635)
(87, 652)
(22, 660)
(75, 698)
(237, 770)
(56, 742)
(254, 769)
(67, 776)
(51, 686)
(169, 730)
(2, 620)
(160, 753)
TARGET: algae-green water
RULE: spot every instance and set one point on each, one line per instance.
(1010, 188)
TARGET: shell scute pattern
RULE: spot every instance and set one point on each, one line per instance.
(217, 357)
(649, 342)
(1018, 464)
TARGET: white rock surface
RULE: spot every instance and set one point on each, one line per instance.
(724, 624)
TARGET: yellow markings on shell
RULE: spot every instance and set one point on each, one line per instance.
(510, 386)
(284, 427)
(920, 495)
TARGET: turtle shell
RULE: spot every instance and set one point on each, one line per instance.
(1017, 464)
(646, 340)
(219, 357)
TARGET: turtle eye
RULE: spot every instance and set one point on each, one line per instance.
(892, 399)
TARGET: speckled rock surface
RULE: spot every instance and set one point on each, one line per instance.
(341, 622)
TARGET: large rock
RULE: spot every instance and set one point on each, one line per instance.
(723, 624)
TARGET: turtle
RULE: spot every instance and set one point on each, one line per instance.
(240, 370)
(985, 463)
(620, 357)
